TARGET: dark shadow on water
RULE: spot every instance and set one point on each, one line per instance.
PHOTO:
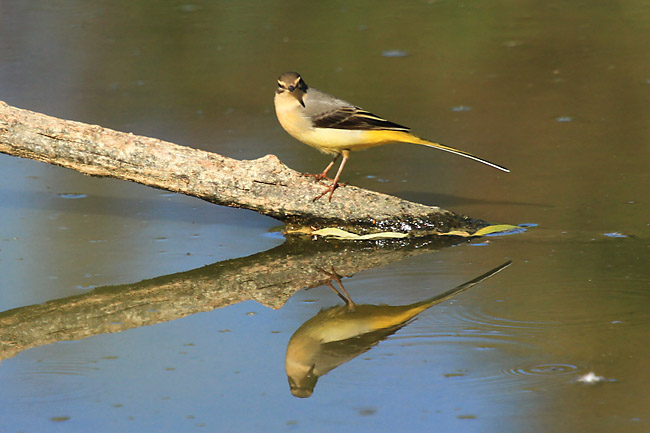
(448, 201)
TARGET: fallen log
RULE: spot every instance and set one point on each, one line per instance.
(264, 185)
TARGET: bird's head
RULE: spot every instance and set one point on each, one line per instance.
(293, 84)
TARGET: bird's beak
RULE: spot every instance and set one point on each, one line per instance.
(297, 94)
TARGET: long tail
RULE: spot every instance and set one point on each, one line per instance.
(471, 283)
(399, 315)
(406, 137)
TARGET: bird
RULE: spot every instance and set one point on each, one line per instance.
(339, 334)
(337, 127)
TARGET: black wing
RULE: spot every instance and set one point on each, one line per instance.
(354, 118)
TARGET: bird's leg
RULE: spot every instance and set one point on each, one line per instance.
(343, 294)
(335, 183)
(323, 175)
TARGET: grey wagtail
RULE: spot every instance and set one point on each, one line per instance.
(337, 127)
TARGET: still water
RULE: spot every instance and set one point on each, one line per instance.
(152, 293)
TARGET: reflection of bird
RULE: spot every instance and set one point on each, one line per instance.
(337, 127)
(339, 334)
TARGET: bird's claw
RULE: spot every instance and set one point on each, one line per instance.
(330, 190)
(318, 176)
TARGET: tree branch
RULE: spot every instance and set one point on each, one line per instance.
(264, 185)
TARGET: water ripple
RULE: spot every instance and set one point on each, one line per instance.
(543, 369)
(488, 321)
(527, 380)
(50, 381)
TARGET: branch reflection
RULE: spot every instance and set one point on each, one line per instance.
(269, 277)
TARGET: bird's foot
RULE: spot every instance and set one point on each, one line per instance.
(342, 293)
(318, 176)
(330, 190)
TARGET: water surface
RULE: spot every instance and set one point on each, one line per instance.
(558, 92)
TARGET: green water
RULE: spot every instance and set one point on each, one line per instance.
(558, 92)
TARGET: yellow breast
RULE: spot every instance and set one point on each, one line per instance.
(328, 140)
